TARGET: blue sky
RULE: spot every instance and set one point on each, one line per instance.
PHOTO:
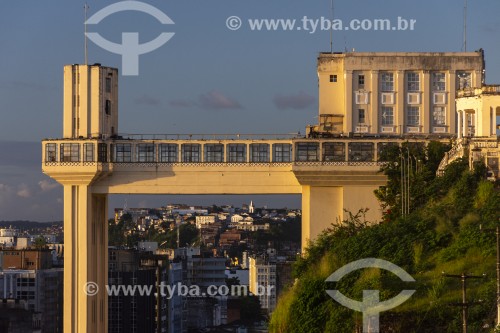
(206, 79)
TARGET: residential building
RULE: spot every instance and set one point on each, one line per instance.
(134, 312)
(262, 272)
(31, 259)
(8, 237)
(40, 289)
(204, 220)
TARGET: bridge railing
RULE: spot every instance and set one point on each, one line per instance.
(202, 137)
(347, 151)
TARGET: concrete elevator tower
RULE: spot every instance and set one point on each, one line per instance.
(90, 112)
(90, 101)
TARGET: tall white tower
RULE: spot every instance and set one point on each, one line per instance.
(251, 208)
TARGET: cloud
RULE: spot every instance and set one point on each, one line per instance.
(215, 100)
(147, 101)
(298, 101)
(47, 185)
(24, 191)
(181, 103)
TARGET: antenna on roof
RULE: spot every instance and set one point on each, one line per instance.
(465, 27)
(86, 8)
(331, 27)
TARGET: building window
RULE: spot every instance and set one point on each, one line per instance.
(70, 152)
(361, 116)
(361, 81)
(360, 151)
(108, 85)
(214, 153)
(259, 152)
(146, 152)
(50, 152)
(307, 151)
(439, 115)
(333, 78)
(191, 153)
(236, 153)
(282, 152)
(413, 115)
(387, 116)
(123, 153)
(102, 152)
(413, 81)
(168, 153)
(387, 81)
(464, 80)
(438, 81)
(88, 152)
(107, 107)
(333, 151)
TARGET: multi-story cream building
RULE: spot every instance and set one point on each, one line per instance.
(393, 93)
(262, 273)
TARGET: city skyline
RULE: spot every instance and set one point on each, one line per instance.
(175, 85)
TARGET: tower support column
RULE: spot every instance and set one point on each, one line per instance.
(85, 260)
(323, 206)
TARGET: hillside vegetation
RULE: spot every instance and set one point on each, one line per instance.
(441, 234)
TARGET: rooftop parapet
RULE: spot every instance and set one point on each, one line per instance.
(487, 89)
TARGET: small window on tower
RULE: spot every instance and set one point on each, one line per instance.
(108, 85)
(333, 78)
(107, 107)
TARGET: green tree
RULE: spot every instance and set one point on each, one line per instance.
(40, 243)
(418, 163)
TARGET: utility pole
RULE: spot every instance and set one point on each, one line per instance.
(464, 304)
(497, 232)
